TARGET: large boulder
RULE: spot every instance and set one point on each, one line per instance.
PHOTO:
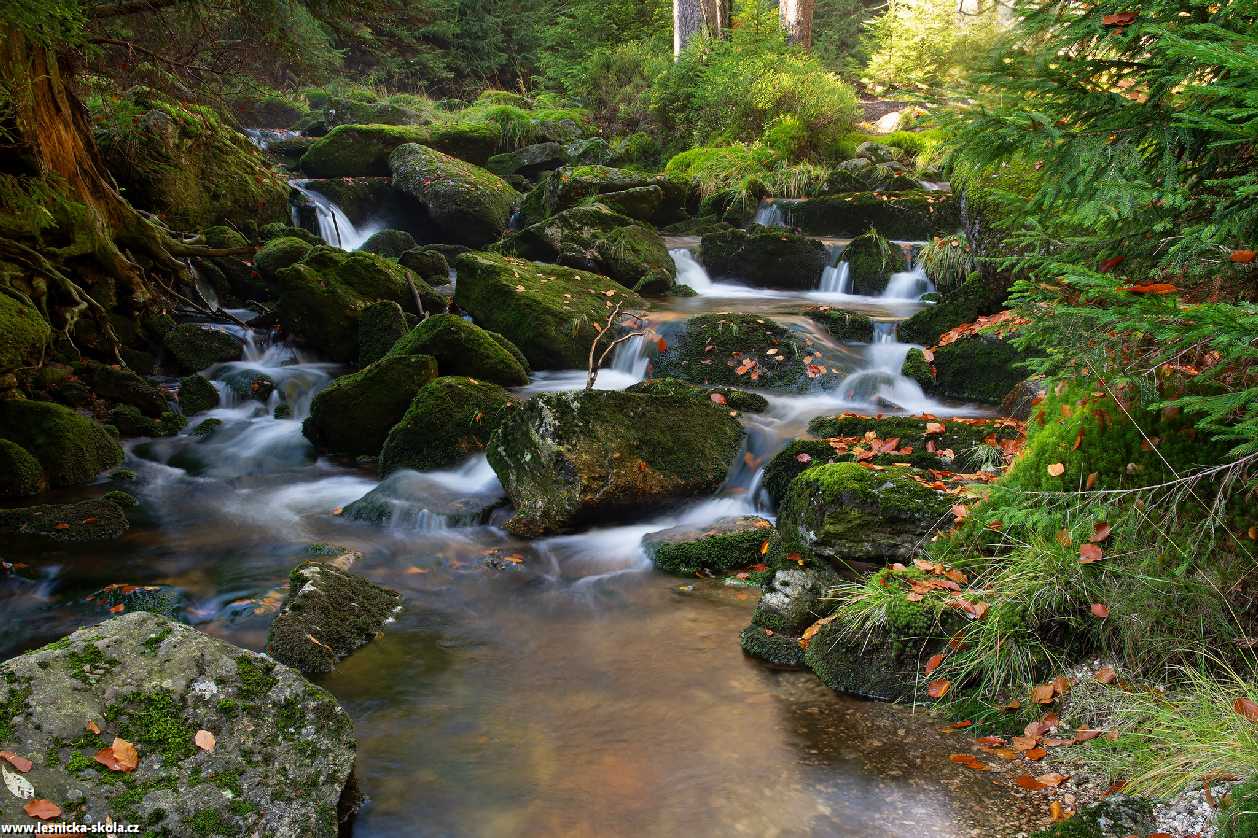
(729, 397)
(23, 334)
(463, 348)
(912, 215)
(323, 296)
(843, 324)
(122, 386)
(197, 394)
(592, 237)
(567, 459)
(766, 257)
(358, 150)
(278, 254)
(549, 312)
(528, 162)
(570, 185)
(744, 350)
(793, 600)
(978, 296)
(717, 547)
(70, 448)
(843, 512)
(448, 420)
(391, 243)
(184, 164)
(468, 205)
(283, 748)
(328, 615)
(354, 413)
(194, 347)
(871, 260)
(20, 473)
(380, 326)
(977, 368)
(98, 519)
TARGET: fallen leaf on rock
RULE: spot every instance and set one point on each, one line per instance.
(1099, 610)
(1026, 781)
(935, 428)
(717, 398)
(18, 786)
(1052, 780)
(1055, 811)
(1042, 694)
(1106, 675)
(93, 727)
(956, 726)
(1036, 754)
(120, 756)
(969, 761)
(990, 741)
(204, 740)
(42, 809)
(20, 763)
(1024, 743)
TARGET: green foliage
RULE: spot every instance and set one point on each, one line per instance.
(921, 45)
(948, 262)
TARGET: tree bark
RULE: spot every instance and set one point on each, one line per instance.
(688, 22)
(717, 16)
(796, 17)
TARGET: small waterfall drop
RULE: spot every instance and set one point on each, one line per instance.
(908, 285)
(836, 279)
(335, 228)
(631, 359)
(689, 271)
(769, 214)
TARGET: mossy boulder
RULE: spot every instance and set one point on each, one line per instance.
(529, 161)
(911, 215)
(279, 230)
(844, 325)
(98, 519)
(23, 334)
(766, 257)
(567, 459)
(916, 367)
(977, 368)
(278, 254)
(449, 419)
(468, 204)
(744, 350)
(184, 164)
(197, 394)
(194, 347)
(593, 238)
(429, 263)
(129, 422)
(71, 448)
(977, 297)
(570, 185)
(154, 682)
(122, 386)
(328, 615)
(323, 296)
(842, 512)
(639, 202)
(20, 473)
(883, 663)
(380, 326)
(718, 547)
(463, 348)
(358, 150)
(391, 243)
(548, 312)
(354, 413)
(871, 259)
(728, 397)
(793, 600)
(248, 383)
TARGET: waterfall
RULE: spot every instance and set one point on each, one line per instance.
(631, 358)
(263, 137)
(835, 279)
(908, 285)
(689, 271)
(769, 214)
(335, 228)
(879, 385)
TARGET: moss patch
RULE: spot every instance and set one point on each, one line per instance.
(353, 414)
(462, 348)
(448, 420)
(72, 449)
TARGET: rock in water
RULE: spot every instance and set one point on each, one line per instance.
(463, 348)
(767, 257)
(841, 512)
(723, 545)
(566, 459)
(98, 519)
(329, 615)
(195, 348)
(354, 413)
(467, 203)
(792, 601)
(448, 420)
(280, 765)
(70, 448)
(871, 259)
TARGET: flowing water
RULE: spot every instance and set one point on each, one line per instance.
(556, 687)
(335, 228)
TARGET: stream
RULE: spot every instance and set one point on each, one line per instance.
(556, 687)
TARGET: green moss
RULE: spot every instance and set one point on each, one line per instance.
(358, 150)
(380, 326)
(20, 473)
(714, 346)
(798, 456)
(196, 394)
(209, 822)
(918, 368)
(195, 348)
(449, 419)
(72, 449)
(462, 348)
(155, 721)
(570, 185)
(279, 253)
(256, 678)
(975, 298)
(674, 388)
(23, 334)
(354, 413)
(14, 703)
(469, 204)
(765, 257)
(843, 324)
(389, 243)
(905, 216)
(204, 430)
(977, 368)
(721, 548)
(154, 642)
(548, 312)
(1238, 818)
(87, 663)
(871, 259)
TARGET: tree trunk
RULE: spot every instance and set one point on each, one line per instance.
(717, 16)
(796, 16)
(688, 20)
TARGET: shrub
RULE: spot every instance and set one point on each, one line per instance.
(925, 44)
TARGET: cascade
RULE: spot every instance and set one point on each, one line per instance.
(769, 214)
(335, 228)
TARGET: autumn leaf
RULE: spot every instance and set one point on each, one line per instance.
(1026, 781)
(990, 741)
(661, 345)
(20, 763)
(1090, 553)
(1024, 743)
(1051, 780)
(1243, 257)
(1100, 532)
(1043, 694)
(717, 398)
(42, 809)
(1036, 754)
(1106, 675)
(1084, 734)
(93, 728)
(1119, 19)
(1055, 811)
(1154, 288)
(1056, 470)
(934, 428)
(1246, 708)
(1114, 261)
(1099, 610)
(969, 761)
(120, 756)
(1061, 685)
(1091, 481)
(931, 665)
(204, 740)
(938, 689)
(803, 457)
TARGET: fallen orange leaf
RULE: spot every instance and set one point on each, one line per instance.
(1246, 708)
(22, 764)
(1099, 610)
(931, 665)
(204, 740)
(1056, 470)
(938, 689)
(42, 809)
(1090, 553)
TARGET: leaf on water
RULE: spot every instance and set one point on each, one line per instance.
(204, 740)
(18, 786)
(20, 763)
(42, 809)
(1056, 470)
(1090, 553)
(1099, 610)
(938, 689)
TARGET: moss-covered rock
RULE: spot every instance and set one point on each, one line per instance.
(882, 664)
(1117, 816)
(449, 419)
(841, 512)
(976, 297)
(549, 312)
(20, 473)
(469, 205)
(123, 386)
(871, 259)
(129, 422)
(23, 334)
(798, 456)
(712, 349)
(718, 547)
(1020, 401)
(279, 230)
(639, 202)
(767, 257)
(328, 615)
(906, 216)
(278, 254)
(354, 413)
(977, 368)
(72, 449)
(429, 263)
(194, 347)
(462, 348)
(98, 519)
(183, 163)
(566, 459)
(916, 367)
(570, 185)
(358, 150)
(843, 324)
(249, 383)
(391, 243)
(154, 682)
(380, 326)
(593, 238)
(793, 600)
(196, 394)
(725, 396)
(529, 161)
